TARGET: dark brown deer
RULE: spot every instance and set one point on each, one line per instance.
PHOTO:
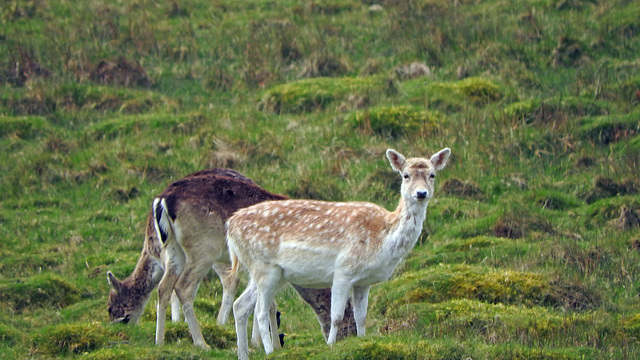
(185, 237)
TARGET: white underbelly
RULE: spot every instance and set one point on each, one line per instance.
(308, 267)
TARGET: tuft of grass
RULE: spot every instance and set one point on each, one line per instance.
(612, 128)
(447, 282)
(315, 94)
(25, 127)
(454, 95)
(539, 112)
(73, 339)
(214, 335)
(462, 188)
(397, 121)
(46, 290)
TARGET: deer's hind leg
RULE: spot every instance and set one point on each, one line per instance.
(174, 260)
(230, 281)
(242, 308)
(186, 287)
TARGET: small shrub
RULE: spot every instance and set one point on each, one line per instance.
(38, 291)
(396, 120)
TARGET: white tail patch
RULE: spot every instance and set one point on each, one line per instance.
(162, 220)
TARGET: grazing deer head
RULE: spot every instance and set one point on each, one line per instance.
(315, 244)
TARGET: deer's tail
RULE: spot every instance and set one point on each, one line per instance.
(162, 220)
(233, 256)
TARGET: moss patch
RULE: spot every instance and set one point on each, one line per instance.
(22, 127)
(317, 93)
(38, 291)
(446, 282)
(214, 335)
(396, 120)
(497, 323)
(537, 111)
(73, 338)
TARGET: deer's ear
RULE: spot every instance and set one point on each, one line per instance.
(115, 283)
(396, 159)
(439, 160)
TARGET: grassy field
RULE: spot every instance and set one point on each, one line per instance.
(531, 247)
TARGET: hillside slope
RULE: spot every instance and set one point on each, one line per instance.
(531, 247)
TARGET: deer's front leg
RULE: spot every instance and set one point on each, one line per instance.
(360, 296)
(339, 297)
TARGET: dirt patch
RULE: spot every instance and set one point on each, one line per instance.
(466, 189)
(628, 219)
(121, 72)
(19, 71)
(323, 66)
(567, 53)
(412, 71)
(605, 187)
(518, 224)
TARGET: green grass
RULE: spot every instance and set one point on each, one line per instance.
(531, 244)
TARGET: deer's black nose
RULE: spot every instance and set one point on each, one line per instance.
(421, 195)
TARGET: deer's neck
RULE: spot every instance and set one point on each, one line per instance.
(406, 226)
(147, 274)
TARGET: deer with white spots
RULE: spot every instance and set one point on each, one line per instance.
(346, 246)
(185, 237)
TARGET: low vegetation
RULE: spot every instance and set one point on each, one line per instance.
(531, 246)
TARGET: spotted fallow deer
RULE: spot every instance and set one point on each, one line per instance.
(194, 210)
(315, 244)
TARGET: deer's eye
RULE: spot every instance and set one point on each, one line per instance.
(406, 176)
(432, 176)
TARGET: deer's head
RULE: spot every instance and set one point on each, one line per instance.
(124, 305)
(418, 174)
